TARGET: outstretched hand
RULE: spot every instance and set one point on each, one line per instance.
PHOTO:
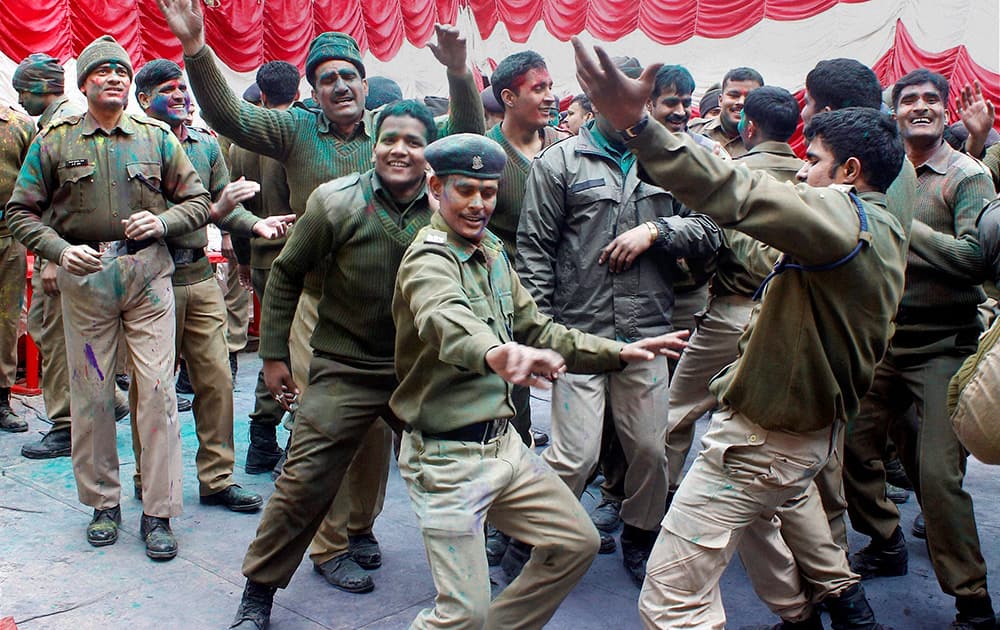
(978, 115)
(450, 48)
(186, 21)
(619, 99)
(668, 345)
(273, 227)
(524, 365)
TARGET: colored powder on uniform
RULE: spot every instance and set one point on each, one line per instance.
(87, 350)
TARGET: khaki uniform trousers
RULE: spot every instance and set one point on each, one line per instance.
(238, 304)
(637, 396)
(335, 414)
(743, 474)
(454, 487)
(201, 340)
(266, 410)
(362, 496)
(13, 268)
(932, 456)
(45, 325)
(130, 300)
(713, 345)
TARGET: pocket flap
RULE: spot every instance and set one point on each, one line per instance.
(696, 530)
(148, 170)
(75, 173)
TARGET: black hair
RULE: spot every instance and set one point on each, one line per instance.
(916, 77)
(866, 134)
(584, 102)
(742, 74)
(155, 72)
(774, 110)
(511, 68)
(278, 82)
(414, 109)
(676, 77)
(841, 82)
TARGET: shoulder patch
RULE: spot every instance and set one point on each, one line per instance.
(435, 237)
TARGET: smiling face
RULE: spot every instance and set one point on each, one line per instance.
(531, 101)
(734, 93)
(821, 167)
(467, 203)
(671, 109)
(399, 156)
(340, 91)
(168, 102)
(107, 86)
(921, 114)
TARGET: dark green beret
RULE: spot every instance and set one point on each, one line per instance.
(467, 154)
(39, 73)
(332, 45)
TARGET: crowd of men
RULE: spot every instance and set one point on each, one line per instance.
(650, 268)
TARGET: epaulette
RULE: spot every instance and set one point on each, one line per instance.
(142, 119)
(204, 130)
(59, 122)
(435, 237)
(345, 182)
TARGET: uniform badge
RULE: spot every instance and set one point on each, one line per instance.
(477, 162)
(436, 237)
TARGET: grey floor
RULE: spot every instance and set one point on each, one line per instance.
(51, 578)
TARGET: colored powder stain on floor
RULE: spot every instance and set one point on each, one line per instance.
(566, 406)
(92, 360)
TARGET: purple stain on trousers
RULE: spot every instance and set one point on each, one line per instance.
(93, 360)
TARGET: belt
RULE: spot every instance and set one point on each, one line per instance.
(941, 315)
(481, 432)
(130, 246)
(183, 256)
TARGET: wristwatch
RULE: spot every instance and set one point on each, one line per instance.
(631, 132)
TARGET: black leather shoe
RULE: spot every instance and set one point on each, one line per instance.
(850, 610)
(53, 444)
(896, 475)
(896, 494)
(263, 452)
(540, 438)
(183, 404)
(974, 613)
(365, 551)
(882, 559)
(812, 623)
(10, 421)
(103, 528)
(254, 612)
(496, 545)
(160, 541)
(919, 529)
(607, 515)
(608, 544)
(344, 573)
(235, 498)
(183, 382)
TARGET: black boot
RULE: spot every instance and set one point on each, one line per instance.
(974, 613)
(850, 609)
(813, 622)
(882, 559)
(263, 452)
(9, 421)
(183, 382)
(515, 558)
(254, 612)
(636, 547)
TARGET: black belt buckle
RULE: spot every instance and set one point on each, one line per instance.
(184, 256)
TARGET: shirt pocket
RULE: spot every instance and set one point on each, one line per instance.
(145, 186)
(591, 191)
(76, 184)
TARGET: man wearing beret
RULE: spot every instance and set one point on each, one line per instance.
(315, 146)
(201, 311)
(16, 132)
(39, 81)
(104, 181)
(467, 331)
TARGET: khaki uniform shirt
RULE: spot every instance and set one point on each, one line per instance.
(454, 301)
(810, 351)
(732, 144)
(60, 108)
(744, 262)
(16, 132)
(271, 201)
(86, 181)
